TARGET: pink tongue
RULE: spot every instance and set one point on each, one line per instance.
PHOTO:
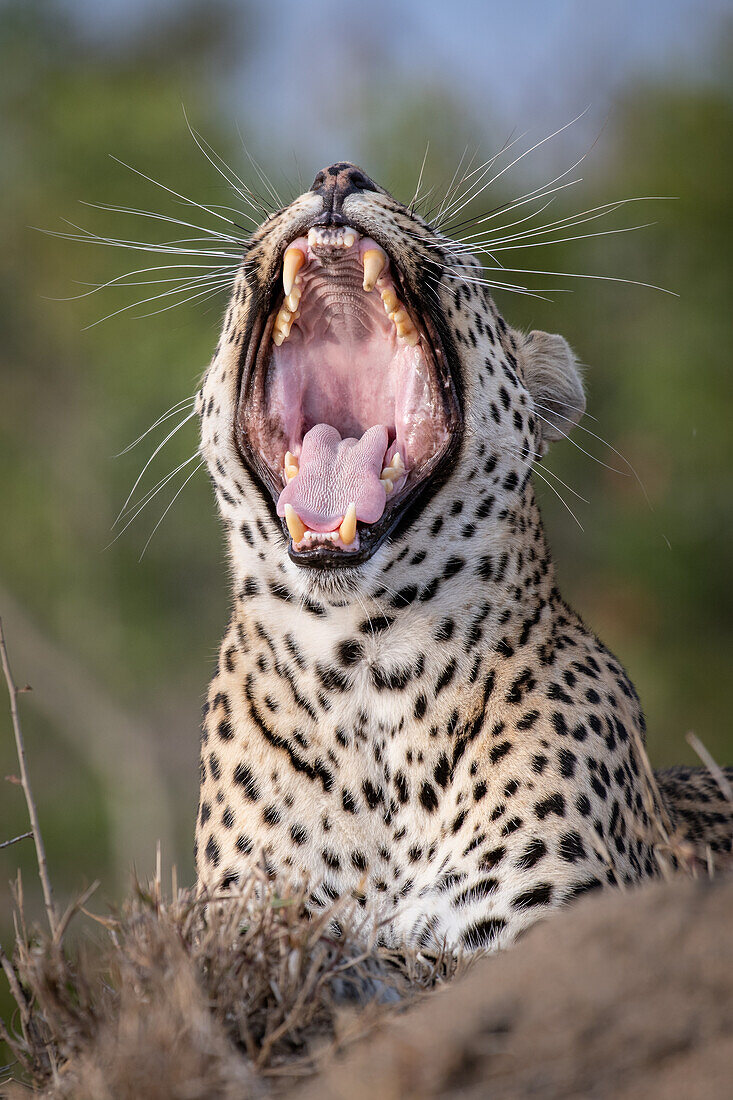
(333, 473)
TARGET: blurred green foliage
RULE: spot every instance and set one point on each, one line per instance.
(650, 569)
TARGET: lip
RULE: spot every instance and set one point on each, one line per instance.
(252, 385)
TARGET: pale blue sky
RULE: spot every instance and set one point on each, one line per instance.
(530, 64)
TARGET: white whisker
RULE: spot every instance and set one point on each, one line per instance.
(157, 451)
(173, 501)
(179, 406)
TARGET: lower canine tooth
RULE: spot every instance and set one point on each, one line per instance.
(347, 530)
(296, 527)
(374, 261)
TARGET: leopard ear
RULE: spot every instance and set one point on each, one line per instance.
(552, 377)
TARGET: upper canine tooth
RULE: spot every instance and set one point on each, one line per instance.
(347, 530)
(293, 260)
(374, 260)
(296, 527)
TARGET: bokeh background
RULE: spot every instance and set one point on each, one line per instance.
(119, 648)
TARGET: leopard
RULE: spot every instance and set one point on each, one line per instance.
(405, 714)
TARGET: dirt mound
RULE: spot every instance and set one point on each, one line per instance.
(626, 996)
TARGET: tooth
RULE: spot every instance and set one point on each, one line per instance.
(296, 527)
(347, 530)
(374, 260)
(400, 316)
(411, 338)
(390, 473)
(349, 239)
(386, 484)
(396, 463)
(313, 238)
(293, 260)
(293, 298)
(390, 300)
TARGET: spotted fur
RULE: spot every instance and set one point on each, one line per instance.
(436, 735)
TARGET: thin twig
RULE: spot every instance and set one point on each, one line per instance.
(15, 839)
(75, 907)
(30, 801)
(16, 990)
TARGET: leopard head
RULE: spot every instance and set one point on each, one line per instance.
(364, 383)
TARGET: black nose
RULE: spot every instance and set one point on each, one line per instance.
(334, 184)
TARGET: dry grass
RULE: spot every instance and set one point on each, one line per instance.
(180, 1003)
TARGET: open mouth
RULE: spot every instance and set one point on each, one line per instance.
(347, 406)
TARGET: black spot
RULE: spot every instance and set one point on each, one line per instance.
(299, 834)
(332, 679)
(350, 652)
(571, 847)
(359, 861)
(224, 729)
(581, 888)
(374, 795)
(402, 788)
(582, 804)
(539, 895)
(482, 933)
(441, 773)
(428, 797)
(567, 761)
(212, 851)
(377, 624)
(244, 844)
(532, 854)
(244, 778)
(554, 804)
(445, 677)
(271, 815)
(491, 858)
(499, 750)
(453, 566)
(421, 705)
(480, 890)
